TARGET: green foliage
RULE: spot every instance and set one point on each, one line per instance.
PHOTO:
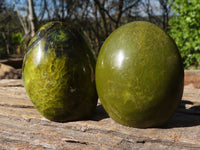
(16, 38)
(185, 30)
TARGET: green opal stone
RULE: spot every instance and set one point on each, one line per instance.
(58, 73)
(139, 75)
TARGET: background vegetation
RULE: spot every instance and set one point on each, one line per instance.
(185, 29)
(20, 19)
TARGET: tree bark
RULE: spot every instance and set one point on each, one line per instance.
(101, 9)
(6, 42)
(31, 17)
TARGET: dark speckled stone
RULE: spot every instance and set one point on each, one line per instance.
(139, 75)
(58, 73)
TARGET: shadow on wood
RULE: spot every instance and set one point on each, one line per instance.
(187, 115)
(100, 113)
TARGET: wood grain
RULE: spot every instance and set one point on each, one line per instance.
(22, 127)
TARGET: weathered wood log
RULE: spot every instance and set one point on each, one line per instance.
(192, 77)
(8, 72)
(22, 127)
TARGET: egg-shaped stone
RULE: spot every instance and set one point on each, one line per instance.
(58, 73)
(139, 75)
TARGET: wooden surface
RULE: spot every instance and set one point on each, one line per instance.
(192, 77)
(22, 127)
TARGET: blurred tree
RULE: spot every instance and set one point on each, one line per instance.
(185, 30)
(2, 33)
(32, 17)
(158, 12)
(16, 39)
(165, 12)
(103, 16)
(8, 24)
(28, 21)
(2, 5)
(96, 18)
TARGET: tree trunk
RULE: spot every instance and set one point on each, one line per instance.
(101, 9)
(6, 42)
(31, 17)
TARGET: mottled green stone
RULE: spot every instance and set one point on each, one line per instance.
(58, 73)
(139, 75)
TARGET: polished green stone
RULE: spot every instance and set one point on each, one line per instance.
(139, 75)
(58, 73)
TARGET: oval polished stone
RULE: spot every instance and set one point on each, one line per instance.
(58, 73)
(139, 75)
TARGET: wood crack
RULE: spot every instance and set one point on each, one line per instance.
(75, 141)
(17, 106)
